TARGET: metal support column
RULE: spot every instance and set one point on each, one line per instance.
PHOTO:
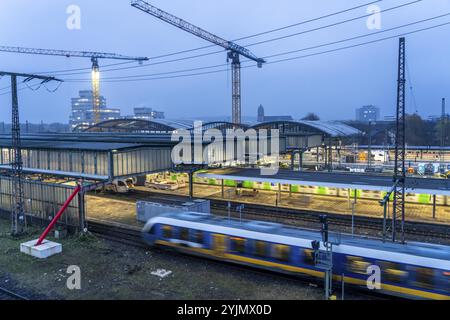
(330, 155)
(110, 166)
(400, 147)
(191, 184)
(292, 160)
(18, 219)
(300, 160)
(317, 155)
(279, 195)
(434, 206)
(385, 206)
(443, 137)
(82, 210)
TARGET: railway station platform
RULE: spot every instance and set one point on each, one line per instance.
(121, 208)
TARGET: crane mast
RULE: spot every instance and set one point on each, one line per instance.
(94, 56)
(234, 50)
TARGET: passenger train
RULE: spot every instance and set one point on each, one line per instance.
(412, 270)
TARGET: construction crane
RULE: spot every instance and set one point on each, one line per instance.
(234, 50)
(94, 56)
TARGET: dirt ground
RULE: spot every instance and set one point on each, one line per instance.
(114, 271)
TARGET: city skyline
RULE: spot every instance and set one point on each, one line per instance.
(294, 87)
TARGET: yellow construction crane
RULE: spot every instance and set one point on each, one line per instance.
(94, 56)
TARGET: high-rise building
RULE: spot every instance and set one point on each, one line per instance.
(147, 113)
(83, 110)
(367, 113)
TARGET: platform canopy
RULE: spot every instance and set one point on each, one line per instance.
(332, 129)
(330, 179)
(58, 155)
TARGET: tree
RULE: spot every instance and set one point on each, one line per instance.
(417, 131)
(311, 117)
(443, 127)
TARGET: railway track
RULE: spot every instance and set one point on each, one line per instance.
(414, 228)
(6, 294)
(118, 233)
(411, 227)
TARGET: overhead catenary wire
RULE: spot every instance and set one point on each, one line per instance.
(273, 30)
(252, 44)
(278, 54)
(413, 96)
(286, 59)
(270, 56)
(238, 39)
(275, 61)
(32, 87)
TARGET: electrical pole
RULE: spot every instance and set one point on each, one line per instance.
(443, 136)
(369, 147)
(18, 218)
(400, 147)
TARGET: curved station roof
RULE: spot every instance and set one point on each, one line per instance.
(296, 127)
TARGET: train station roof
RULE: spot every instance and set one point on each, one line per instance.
(155, 126)
(328, 128)
(330, 179)
(69, 145)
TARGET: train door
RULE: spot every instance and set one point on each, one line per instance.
(219, 243)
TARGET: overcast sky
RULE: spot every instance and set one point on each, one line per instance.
(331, 85)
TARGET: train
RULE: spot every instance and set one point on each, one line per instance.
(410, 197)
(411, 270)
(377, 195)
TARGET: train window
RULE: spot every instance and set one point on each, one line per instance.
(237, 244)
(357, 265)
(281, 252)
(308, 257)
(260, 248)
(391, 272)
(184, 234)
(425, 278)
(444, 281)
(167, 232)
(152, 230)
(198, 236)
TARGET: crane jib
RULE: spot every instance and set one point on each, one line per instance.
(197, 31)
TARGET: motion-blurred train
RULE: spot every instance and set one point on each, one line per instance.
(412, 270)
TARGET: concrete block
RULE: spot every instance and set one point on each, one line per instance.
(45, 250)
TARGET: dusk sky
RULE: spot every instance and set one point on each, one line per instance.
(331, 85)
